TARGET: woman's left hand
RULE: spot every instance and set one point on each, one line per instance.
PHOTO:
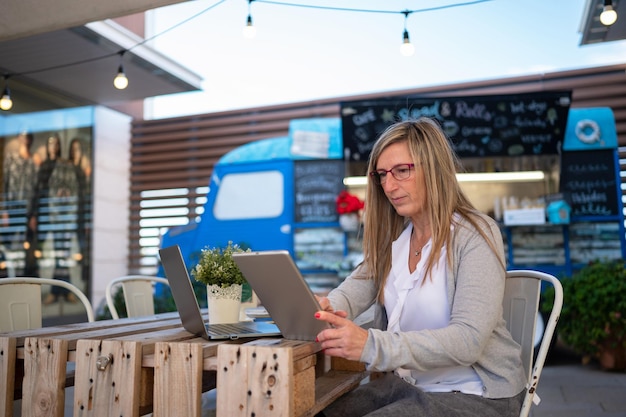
(345, 339)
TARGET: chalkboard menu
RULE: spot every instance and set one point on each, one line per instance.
(478, 126)
(317, 184)
(589, 179)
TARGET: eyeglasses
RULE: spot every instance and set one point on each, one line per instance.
(399, 172)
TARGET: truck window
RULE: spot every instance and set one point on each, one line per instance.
(251, 195)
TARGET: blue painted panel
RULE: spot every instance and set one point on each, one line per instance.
(590, 128)
(43, 121)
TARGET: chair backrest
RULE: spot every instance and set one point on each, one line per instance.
(138, 293)
(521, 307)
(20, 302)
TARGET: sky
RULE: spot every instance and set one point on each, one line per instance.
(303, 53)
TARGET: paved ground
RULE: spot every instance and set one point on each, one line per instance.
(569, 389)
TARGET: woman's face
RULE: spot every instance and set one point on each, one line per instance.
(76, 152)
(407, 196)
(54, 147)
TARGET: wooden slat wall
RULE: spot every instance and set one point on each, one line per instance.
(181, 152)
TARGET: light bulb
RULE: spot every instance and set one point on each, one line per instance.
(407, 48)
(5, 102)
(120, 82)
(249, 31)
(608, 15)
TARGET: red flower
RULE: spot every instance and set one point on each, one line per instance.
(348, 203)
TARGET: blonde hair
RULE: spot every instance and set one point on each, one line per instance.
(429, 147)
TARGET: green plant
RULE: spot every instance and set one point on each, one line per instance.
(216, 266)
(593, 317)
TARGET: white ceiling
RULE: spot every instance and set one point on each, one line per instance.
(21, 18)
(43, 70)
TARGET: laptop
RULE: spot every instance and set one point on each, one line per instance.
(189, 310)
(276, 280)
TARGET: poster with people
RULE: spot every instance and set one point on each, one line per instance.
(45, 203)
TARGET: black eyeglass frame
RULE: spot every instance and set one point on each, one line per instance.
(376, 174)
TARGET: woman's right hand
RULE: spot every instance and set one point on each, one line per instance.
(324, 303)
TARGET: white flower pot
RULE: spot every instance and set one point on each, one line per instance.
(349, 222)
(223, 303)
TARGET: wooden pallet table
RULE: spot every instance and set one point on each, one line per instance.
(131, 367)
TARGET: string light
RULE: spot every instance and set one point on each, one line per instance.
(407, 48)
(5, 101)
(120, 81)
(608, 15)
(249, 31)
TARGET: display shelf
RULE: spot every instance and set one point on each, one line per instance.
(563, 249)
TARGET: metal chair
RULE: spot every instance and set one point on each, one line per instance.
(521, 307)
(20, 302)
(138, 293)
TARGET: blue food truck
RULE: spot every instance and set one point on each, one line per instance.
(276, 193)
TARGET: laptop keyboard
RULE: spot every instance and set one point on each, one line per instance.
(229, 328)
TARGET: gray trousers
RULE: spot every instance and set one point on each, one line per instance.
(389, 395)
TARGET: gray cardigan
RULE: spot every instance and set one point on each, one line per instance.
(476, 335)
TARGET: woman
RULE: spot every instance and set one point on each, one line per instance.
(81, 197)
(56, 184)
(434, 268)
(19, 177)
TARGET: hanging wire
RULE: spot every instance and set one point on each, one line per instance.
(98, 58)
(345, 9)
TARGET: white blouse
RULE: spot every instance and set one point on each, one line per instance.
(427, 308)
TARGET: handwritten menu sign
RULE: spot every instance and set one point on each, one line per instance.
(499, 125)
(589, 177)
(317, 184)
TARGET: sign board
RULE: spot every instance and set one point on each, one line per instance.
(592, 128)
(589, 179)
(317, 184)
(478, 126)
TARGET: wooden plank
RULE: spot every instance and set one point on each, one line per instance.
(108, 378)
(146, 391)
(300, 348)
(332, 386)
(132, 330)
(304, 390)
(44, 377)
(305, 363)
(7, 374)
(178, 372)
(341, 364)
(103, 327)
(209, 353)
(254, 380)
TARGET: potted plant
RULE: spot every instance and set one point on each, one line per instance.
(593, 318)
(348, 207)
(217, 269)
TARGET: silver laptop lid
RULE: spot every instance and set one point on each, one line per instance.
(277, 281)
(182, 291)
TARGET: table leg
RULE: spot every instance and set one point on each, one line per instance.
(177, 379)
(45, 362)
(7, 375)
(108, 378)
(254, 380)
